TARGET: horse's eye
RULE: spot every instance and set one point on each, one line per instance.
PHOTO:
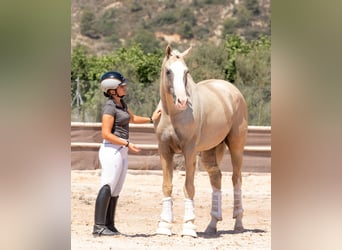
(168, 72)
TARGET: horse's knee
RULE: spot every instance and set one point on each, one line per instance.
(167, 190)
(215, 176)
(236, 179)
(214, 173)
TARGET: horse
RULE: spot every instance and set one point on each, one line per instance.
(198, 118)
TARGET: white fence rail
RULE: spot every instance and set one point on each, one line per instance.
(148, 128)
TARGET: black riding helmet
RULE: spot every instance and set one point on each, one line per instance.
(111, 80)
(113, 74)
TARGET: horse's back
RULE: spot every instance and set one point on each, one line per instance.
(220, 87)
(219, 93)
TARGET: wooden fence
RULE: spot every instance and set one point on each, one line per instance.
(148, 128)
(86, 140)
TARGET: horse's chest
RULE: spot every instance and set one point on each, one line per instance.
(167, 135)
(170, 137)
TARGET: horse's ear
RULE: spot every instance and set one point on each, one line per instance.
(186, 52)
(168, 51)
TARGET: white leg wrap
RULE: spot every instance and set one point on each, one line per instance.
(237, 203)
(238, 211)
(189, 211)
(189, 229)
(167, 214)
(216, 205)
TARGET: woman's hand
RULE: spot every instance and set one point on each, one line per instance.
(156, 114)
(133, 148)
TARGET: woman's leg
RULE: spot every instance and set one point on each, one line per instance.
(114, 170)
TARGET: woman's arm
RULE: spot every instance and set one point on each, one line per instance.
(144, 119)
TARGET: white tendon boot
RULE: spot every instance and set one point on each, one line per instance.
(238, 211)
(166, 217)
(216, 212)
(189, 229)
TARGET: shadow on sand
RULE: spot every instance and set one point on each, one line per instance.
(200, 234)
(139, 235)
(222, 232)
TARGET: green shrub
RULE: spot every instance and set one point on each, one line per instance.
(252, 6)
(207, 61)
(88, 24)
(141, 69)
(165, 18)
(229, 27)
(135, 7)
(146, 39)
(185, 31)
(106, 24)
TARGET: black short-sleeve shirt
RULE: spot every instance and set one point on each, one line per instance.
(121, 118)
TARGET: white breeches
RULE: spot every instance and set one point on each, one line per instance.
(114, 164)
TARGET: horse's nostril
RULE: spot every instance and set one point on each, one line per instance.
(181, 101)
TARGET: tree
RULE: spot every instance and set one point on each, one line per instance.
(141, 69)
(249, 68)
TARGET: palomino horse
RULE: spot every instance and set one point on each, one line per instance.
(202, 117)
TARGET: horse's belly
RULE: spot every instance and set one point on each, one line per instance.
(211, 139)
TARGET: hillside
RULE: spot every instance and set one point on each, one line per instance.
(104, 25)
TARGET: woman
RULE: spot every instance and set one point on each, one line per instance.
(113, 152)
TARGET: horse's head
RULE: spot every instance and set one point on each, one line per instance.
(174, 76)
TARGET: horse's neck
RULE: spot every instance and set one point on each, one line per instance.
(191, 85)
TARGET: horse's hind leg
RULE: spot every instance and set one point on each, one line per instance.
(236, 145)
(211, 160)
(166, 216)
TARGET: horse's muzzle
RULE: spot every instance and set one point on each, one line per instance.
(181, 103)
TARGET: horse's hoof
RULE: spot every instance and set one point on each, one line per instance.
(210, 230)
(238, 227)
(164, 228)
(189, 230)
(164, 231)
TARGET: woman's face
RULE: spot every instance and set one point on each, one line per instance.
(121, 90)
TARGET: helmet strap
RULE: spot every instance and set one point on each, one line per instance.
(116, 94)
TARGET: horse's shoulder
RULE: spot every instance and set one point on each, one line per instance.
(164, 127)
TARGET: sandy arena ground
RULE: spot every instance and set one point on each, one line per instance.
(139, 207)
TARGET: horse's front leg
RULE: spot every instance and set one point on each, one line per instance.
(189, 229)
(210, 160)
(166, 216)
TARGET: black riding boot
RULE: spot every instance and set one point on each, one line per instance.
(101, 207)
(111, 214)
